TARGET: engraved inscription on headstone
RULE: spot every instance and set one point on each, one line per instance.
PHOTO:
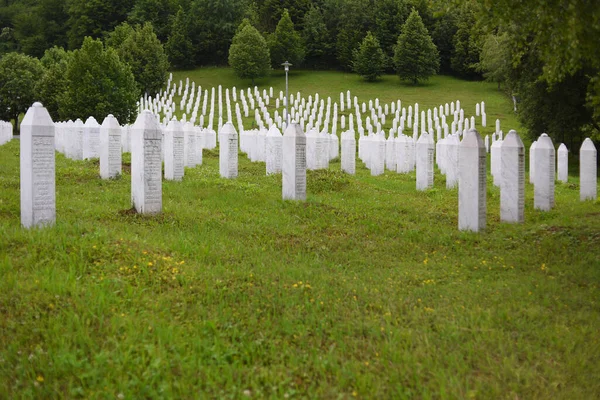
(472, 183)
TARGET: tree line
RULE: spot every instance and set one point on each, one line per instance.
(543, 54)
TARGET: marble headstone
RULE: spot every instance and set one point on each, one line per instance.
(146, 165)
(545, 168)
(38, 181)
(472, 181)
(91, 139)
(174, 162)
(349, 152)
(512, 187)
(228, 152)
(563, 163)
(274, 150)
(294, 163)
(424, 158)
(588, 171)
(110, 148)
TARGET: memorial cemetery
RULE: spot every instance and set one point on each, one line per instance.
(304, 234)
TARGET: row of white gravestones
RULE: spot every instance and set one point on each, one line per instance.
(6, 132)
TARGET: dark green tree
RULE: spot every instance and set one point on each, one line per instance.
(285, 43)
(145, 55)
(467, 44)
(369, 59)
(18, 76)
(495, 58)
(416, 58)
(389, 16)
(318, 41)
(99, 83)
(53, 82)
(443, 38)
(355, 20)
(249, 54)
(179, 47)
(94, 18)
(271, 11)
(158, 12)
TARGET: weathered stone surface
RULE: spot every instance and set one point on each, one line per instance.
(512, 187)
(472, 182)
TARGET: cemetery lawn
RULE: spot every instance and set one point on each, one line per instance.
(366, 290)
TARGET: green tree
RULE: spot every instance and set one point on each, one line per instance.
(18, 76)
(317, 39)
(355, 20)
(99, 83)
(158, 12)
(443, 35)
(285, 43)
(249, 54)
(179, 47)
(53, 82)
(495, 58)
(416, 57)
(369, 59)
(94, 18)
(389, 16)
(467, 43)
(145, 55)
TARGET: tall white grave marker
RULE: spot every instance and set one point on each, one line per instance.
(294, 163)
(512, 186)
(146, 165)
(425, 158)
(588, 171)
(110, 148)
(38, 181)
(472, 183)
(228, 151)
(174, 163)
(274, 150)
(563, 163)
(545, 170)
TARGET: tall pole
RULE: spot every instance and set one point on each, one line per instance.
(286, 66)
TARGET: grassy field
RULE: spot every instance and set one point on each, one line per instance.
(438, 90)
(366, 290)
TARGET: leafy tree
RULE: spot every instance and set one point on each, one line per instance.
(212, 25)
(285, 43)
(18, 76)
(99, 83)
(416, 57)
(443, 34)
(179, 47)
(271, 11)
(94, 18)
(116, 37)
(249, 54)
(158, 12)
(495, 58)
(355, 21)
(144, 53)
(390, 15)
(467, 44)
(369, 59)
(53, 82)
(317, 38)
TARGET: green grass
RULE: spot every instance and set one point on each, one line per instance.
(438, 90)
(365, 290)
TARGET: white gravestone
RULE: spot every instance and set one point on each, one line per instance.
(294, 163)
(146, 165)
(563, 163)
(532, 161)
(38, 181)
(110, 148)
(77, 140)
(274, 150)
(91, 139)
(189, 151)
(228, 152)
(472, 180)
(512, 187)
(588, 171)
(349, 152)
(496, 162)
(545, 167)
(424, 159)
(174, 162)
(452, 153)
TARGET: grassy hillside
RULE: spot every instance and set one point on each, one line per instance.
(366, 290)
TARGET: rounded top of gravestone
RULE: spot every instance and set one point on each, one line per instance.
(91, 121)
(147, 122)
(472, 138)
(544, 142)
(174, 126)
(562, 148)
(37, 115)
(294, 129)
(588, 145)
(110, 122)
(78, 123)
(228, 129)
(512, 140)
(424, 138)
(274, 131)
